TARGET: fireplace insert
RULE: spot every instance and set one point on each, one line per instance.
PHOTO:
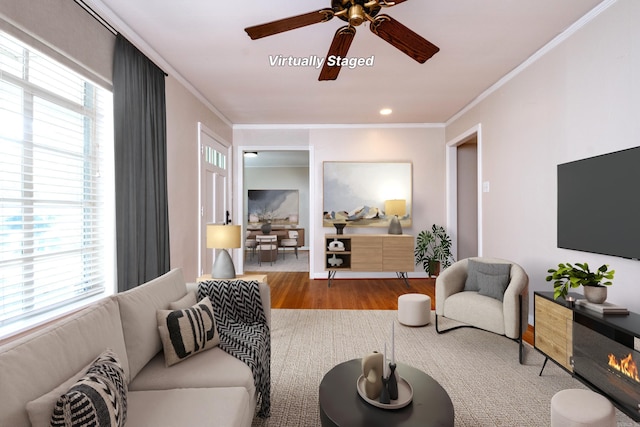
(604, 358)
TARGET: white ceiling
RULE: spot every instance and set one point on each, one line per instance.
(204, 44)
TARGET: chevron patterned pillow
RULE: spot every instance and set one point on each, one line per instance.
(187, 332)
(97, 399)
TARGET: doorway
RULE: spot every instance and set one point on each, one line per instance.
(464, 193)
(273, 170)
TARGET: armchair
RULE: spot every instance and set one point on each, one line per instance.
(485, 293)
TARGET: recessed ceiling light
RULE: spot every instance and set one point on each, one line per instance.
(251, 154)
(386, 111)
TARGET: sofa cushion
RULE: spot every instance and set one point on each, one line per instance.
(492, 285)
(99, 398)
(187, 332)
(36, 363)
(214, 407)
(138, 308)
(41, 409)
(208, 369)
(473, 267)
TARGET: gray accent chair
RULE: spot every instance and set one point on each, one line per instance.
(475, 309)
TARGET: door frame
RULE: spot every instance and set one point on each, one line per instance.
(239, 192)
(452, 185)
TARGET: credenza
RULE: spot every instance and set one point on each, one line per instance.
(369, 253)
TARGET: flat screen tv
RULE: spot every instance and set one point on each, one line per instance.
(599, 204)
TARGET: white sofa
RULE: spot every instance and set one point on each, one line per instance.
(210, 388)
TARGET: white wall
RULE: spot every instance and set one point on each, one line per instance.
(579, 100)
(184, 111)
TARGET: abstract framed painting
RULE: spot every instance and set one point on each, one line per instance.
(275, 206)
(355, 193)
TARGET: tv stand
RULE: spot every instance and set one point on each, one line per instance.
(579, 340)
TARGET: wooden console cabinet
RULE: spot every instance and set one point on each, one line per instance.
(369, 252)
(553, 335)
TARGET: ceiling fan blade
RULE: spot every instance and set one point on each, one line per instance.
(339, 48)
(291, 23)
(403, 38)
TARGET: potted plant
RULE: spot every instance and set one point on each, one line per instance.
(433, 250)
(569, 276)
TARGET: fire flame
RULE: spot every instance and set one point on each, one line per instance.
(625, 366)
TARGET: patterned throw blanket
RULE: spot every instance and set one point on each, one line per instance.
(243, 329)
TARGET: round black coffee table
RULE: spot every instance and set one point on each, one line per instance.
(341, 405)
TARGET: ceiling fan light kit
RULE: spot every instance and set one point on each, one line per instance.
(355, 13)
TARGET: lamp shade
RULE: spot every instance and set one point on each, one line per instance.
(395, 207)
(223, 236)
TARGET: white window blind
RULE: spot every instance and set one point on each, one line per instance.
(56, 142)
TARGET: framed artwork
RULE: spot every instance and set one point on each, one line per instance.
(356, 192)
(275, 206)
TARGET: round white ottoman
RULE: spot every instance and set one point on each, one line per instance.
(581, 408)
(414, 309)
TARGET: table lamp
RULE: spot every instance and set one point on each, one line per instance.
(394, 208)
(223, 237)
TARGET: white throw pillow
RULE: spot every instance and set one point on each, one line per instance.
(188, 331)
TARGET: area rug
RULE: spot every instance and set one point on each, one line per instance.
(479, 370)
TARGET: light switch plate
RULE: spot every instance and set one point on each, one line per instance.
(485, 187)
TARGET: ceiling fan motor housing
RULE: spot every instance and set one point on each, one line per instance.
(356, 15)
(355, 12)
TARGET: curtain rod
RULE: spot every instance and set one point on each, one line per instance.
(103, 21)
(96, 16)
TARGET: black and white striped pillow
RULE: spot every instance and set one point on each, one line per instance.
(188, 331)
(97, 399)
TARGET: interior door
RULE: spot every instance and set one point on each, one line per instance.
(214, 191)
(467, 199)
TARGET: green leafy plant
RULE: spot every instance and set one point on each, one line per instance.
(569, 276)
(433, 247)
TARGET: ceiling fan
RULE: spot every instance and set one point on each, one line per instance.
(355, 13)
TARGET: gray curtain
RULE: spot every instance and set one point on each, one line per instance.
(142, 220)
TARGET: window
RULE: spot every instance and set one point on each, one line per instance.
(56, 187)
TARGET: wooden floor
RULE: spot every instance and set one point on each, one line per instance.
(298, 291)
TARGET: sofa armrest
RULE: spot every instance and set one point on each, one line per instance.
(449, 282)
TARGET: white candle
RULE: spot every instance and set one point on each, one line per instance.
(393, 342)
(384, 361)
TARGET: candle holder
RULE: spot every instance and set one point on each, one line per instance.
(384, 393)
(392, 384)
